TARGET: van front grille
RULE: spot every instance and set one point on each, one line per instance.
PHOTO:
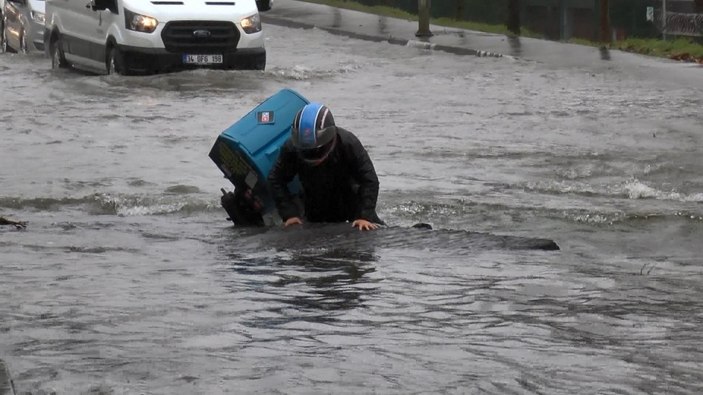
(200, 36)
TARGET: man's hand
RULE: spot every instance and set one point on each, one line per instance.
(293, 221)
(363, 224)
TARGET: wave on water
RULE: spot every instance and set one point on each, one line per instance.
(182, 189)
(615, 218)
(303, 73)
(475, 214)
(93, 88)
(635, 189)
(631, 189)
(176, 200)
(411, 212)
(297, 73)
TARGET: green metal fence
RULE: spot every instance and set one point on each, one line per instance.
(554, 18)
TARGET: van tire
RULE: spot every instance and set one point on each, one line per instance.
(260, 63)
(253, 62)
(58, 59)
(115, 62)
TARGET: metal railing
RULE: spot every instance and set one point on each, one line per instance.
(679, 24)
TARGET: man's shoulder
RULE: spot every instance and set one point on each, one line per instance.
(346, 135)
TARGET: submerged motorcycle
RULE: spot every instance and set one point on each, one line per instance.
(245, 153)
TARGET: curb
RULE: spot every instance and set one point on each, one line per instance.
(451, 49)
(389, 39)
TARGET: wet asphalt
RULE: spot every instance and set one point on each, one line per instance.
(131, 279)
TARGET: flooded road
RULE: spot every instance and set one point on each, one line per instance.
(129, 280)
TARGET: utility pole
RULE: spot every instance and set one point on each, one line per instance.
(459, 10)
(605, 21)
(664, 19)
(513, 22)
(423, 13)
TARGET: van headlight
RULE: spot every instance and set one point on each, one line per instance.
(139, 23)
(38, 17)
(251, 24)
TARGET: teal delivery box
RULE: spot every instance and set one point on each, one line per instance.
(246, 151)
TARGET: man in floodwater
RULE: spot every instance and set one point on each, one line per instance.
(338, 178)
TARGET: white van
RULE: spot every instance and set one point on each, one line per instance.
(148, 36)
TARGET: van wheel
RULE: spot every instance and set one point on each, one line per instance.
(58, 59)
(116, 63)
(254, 62)
(259, 63)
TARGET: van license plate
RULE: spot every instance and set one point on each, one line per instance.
(202, 59)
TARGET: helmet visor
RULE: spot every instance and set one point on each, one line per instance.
(317, 155)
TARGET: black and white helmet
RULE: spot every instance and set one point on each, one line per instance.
(313, 133)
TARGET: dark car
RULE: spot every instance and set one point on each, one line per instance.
(22, 26)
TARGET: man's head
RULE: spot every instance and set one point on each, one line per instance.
(313, 133)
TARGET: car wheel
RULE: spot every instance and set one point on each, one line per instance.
(3, 40)
(115, 62)
(58, 59)
(2, 35)
(23, 43)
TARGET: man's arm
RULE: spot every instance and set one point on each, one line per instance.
(281, 174)
(364, 173)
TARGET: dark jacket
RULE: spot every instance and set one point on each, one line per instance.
(342, 188)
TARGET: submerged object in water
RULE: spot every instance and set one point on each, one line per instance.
(247, 150)
(7, 387)
(16, 224)
(343, 236)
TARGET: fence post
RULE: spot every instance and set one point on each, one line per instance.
(423, 14)
(513, 22)
(664, 19)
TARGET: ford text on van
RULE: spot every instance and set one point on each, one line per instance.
(146, 36)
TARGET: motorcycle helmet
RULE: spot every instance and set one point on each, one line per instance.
(313, 133)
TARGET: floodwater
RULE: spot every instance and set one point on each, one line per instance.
(129, 280)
